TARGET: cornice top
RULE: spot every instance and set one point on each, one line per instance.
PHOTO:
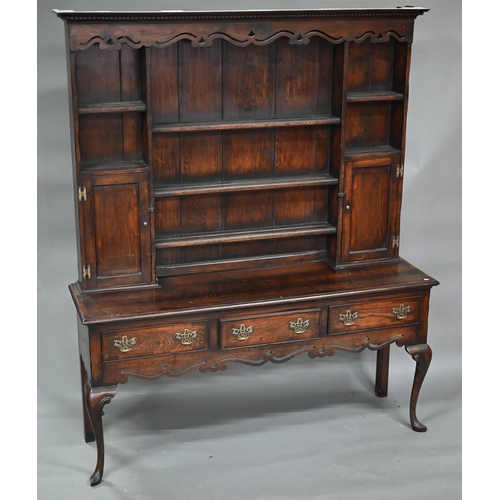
(179, 15)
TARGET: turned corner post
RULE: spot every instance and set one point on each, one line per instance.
(95, 400)
(422, 354)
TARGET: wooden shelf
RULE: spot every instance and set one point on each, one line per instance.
(112, 107)
(371, 151)
(129, 166)
(245, 185)
(374, 96)
(246, 235)
(254, 124)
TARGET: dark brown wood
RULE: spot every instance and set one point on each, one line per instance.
(382, 376)
(422, 354)
(270, 328)
(231, 125)
(238, 184)
(245, 185)
(96, 399)
(247, 235)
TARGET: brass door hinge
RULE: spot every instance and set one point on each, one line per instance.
(399, 170)
(86, 272)
(395, 242)
(82, 194)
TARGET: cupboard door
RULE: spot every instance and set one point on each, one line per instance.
(117, 230)
(370, 207)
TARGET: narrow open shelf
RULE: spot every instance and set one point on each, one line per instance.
(246, 235)
(374, 96)
(245, 185)
(253, 124)
(371, 151)
(112, 107)
(116, 165)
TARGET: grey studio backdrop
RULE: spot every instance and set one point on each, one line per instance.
(306, 429)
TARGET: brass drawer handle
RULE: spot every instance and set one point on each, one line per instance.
(401, 312)
(348, 318)
(299, 326)
(243, 332)
(186, 337)
(125, 344)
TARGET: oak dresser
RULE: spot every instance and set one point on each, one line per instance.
(238, 182)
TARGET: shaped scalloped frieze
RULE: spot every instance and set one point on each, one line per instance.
(220, 363)
(115, 42)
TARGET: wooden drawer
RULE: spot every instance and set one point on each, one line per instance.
(378, 314)
(181, 337)
(269, 328)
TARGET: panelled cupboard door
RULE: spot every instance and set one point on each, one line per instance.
(370, 209)
(117, 236)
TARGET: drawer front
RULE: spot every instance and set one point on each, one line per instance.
(378, 314)
(270, 328)
(181, 337)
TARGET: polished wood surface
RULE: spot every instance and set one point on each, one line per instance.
(233, 290)
(238, 191)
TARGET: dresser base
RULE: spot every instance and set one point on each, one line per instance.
(249, 317)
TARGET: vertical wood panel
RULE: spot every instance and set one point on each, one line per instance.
(168, 256)
(132, 136)
(295, 151)
(200, 96)
(370, 195)
(300, 244)
(248, 210)
(297, 78)
(201, 213)
(296, 206)
(130, 77)
(247, 249)
(101, 138)
(358, 67)
(201, 156)
(164, 85)
(249, 79)
(117, 244)
(325, 57)
(367, 124)
(382, 57)
(166, 160)
(97, 75)
(248, 154)
(168, 216)
(202, 253)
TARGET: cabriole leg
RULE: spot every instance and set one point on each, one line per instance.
(422, 354)
(95, 400)
(382, 377)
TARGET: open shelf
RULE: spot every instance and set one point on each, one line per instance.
(115, 165)
(251, 124)
(112, 107)
(246, 235)
(371, 151)
(374, 96)
(245, 185)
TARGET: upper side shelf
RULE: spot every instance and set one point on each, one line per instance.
(112, 107)
(374, 96)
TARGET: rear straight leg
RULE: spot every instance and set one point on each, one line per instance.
(88, 432)
(382, 377)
